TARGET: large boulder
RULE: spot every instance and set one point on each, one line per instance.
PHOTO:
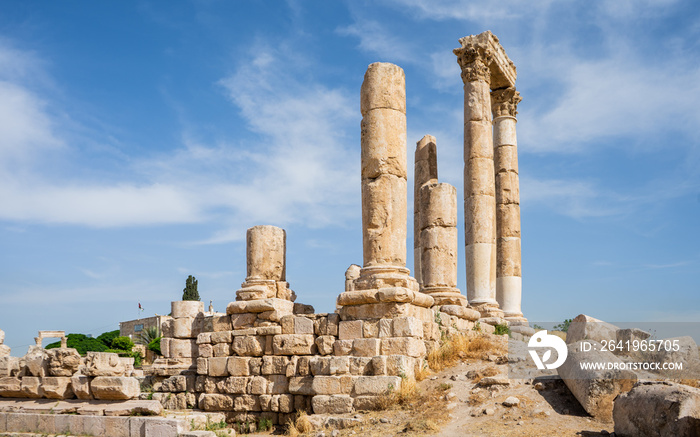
(592, 377)
(9, 366)
(57, 387)
(658, 409)
(585, 327)
(4, 350)
(36, 362)
(63, 361)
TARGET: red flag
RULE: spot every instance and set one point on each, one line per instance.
(140, 306)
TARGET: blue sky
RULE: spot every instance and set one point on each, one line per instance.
(139, 141)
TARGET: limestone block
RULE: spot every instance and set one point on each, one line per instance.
(335, 404)
(115, 388)
(202, 366)
(324, 344)
(386, 310)
(255, 366)
(376, 385)
(383, 143)
(218, 366)
(366, 347)
(31, 387)
(584, 327)
(687, 354)
(350, 330)
(379, 365)
(370, 328)
(4, 350)
(246, 403)
(183, 348)
(367, 403)
(205, 351)
(439, 256)
(278, 384)
(2, 336)
(384, 220)
(257, 385)
(81, 386)
(320, 365)
(274, 365)
(233, 385)
(36, 361)
(285, 403)
(104, 364)
(508, 220)
(357, 297)
(481, 272)
(299, 385)
(384, 86)
(438, 205)
(508, 257)
(238, 366)
(293, 344)
(328, 385)
(186, 308)
(461, 312)
(477, 145)
(178, 383)
(252, 346)
(657, 409)
(408, 327)
(216, 402)
(243, 321)
(303, 325)
(58, 387)
(265, 254)
(339, 365)
(479, 178)
(204, 338)
(410, 346)
(342, 347)
(595, 389)
(217, 323)
(385, 328)
(255, 290)
(182, 327)
(222, 349)
(283, 307)
(401, 365)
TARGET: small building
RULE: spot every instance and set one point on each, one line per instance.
(133, 328)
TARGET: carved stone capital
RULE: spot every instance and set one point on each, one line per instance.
(504, 102)
(474, 59)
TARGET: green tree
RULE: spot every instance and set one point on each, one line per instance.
(123, 344)
(107, 337)
(190, 291)
(154, 346)
(147, 335)
(563, 327)
(82, 343)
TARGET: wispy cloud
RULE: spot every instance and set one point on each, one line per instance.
(377, 40)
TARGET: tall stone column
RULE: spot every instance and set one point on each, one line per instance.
(508, 268)
(479, 185)
(384, 209)
(425, 172)
(439, 243)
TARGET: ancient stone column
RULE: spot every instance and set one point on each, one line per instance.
(479, 185)
(439, 243)
(266, 248)
(383, 138)
(508, 267)
(425, 172)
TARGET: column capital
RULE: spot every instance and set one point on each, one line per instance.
(504, 102)
(474, 59)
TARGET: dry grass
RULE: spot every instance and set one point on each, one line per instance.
(489, 371)
(691, 382)
(402, 397)
(559, 334)
(300, 425)
(459, 347)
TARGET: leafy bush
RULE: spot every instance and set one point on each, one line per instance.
(82, 343)
(502, 329)
(154, 346)
(190, 291)
(147, 335)
(563, 327)
(107, 337)
(122, 343)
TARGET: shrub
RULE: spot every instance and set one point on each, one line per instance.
(564, 326)
(190, 291)
(122, 343)
(502, 329)
(154, 346)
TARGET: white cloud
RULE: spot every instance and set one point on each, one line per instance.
(479, 10)
(376, 39)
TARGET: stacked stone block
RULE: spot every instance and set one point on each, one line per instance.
(178, 344)
(4, 349)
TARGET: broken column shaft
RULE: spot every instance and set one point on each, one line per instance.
(425, 172)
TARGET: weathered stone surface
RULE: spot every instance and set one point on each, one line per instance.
(81, 386)
(31, 387)
(376, 385)
(238, 366)
(293, 344)
(186, 308)
(461, 312)
(182, 348)
(104, 364)
(283, 307)
(366, 347)
(4, 350)
(182, 327)
(216, 402)
(63, 361)
(350, 330)
(10, 387)
(222, 349)
(333, 404)
(2, 336)
(657, 409)
(205, 350)
(408, 327)
(585, 327)
(217, 323)
(36, 361)
(595, 389)
(114, 388)
(233, 385)
(324, 344)
(274, 365)
(301, 385)
(410, 346)
(265, 253)
(251, 346)
(57, 387)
